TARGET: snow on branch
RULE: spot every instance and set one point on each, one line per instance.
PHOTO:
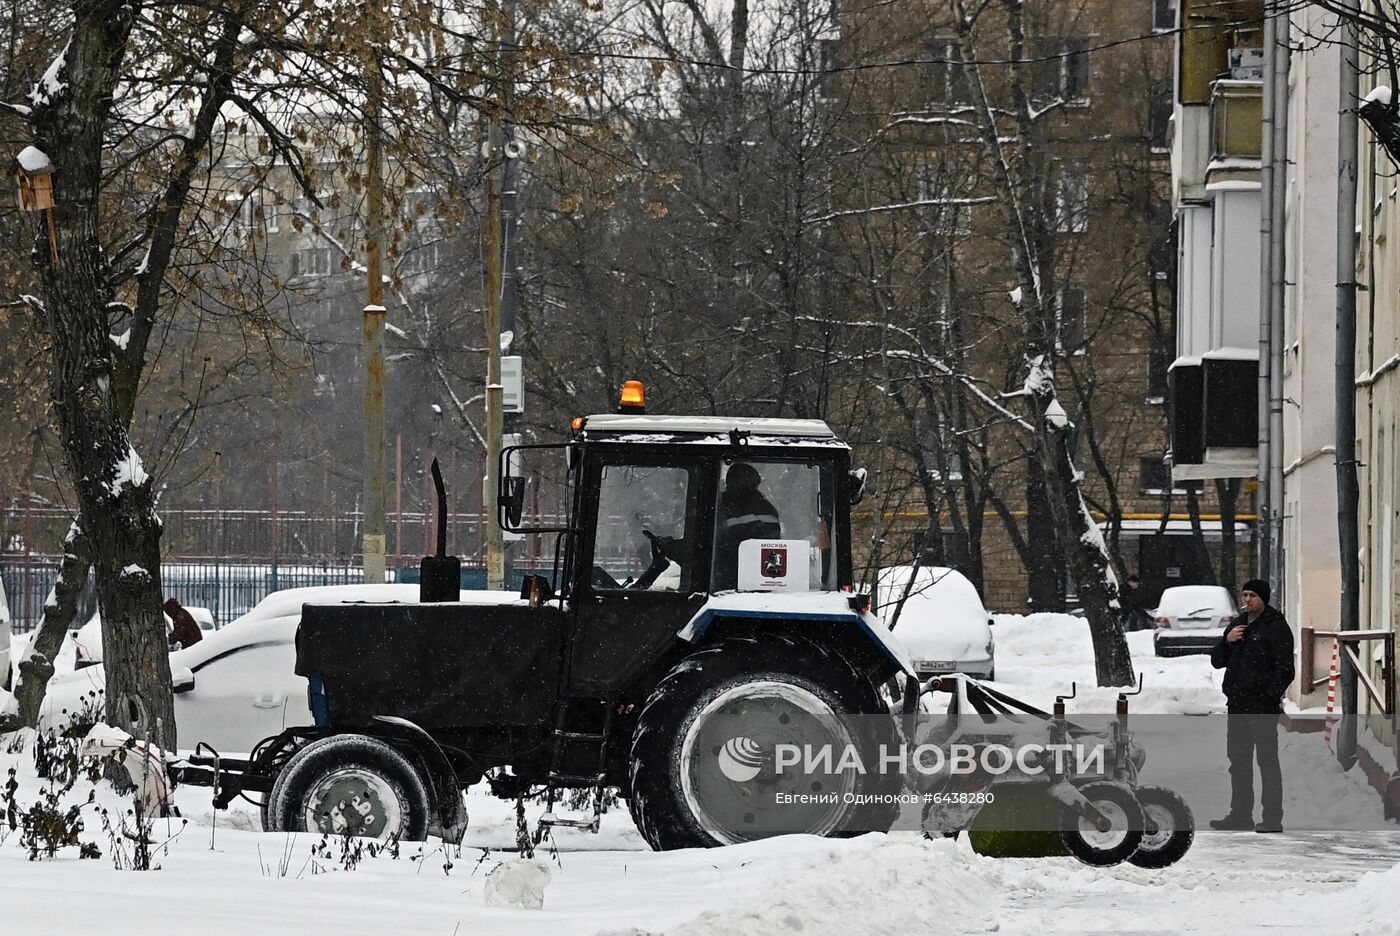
(53, 83)
(129, 472)
(902, 206)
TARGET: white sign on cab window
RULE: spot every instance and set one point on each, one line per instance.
(775, 565)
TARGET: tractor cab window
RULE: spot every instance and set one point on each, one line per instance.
(774, 526)
(643, 539)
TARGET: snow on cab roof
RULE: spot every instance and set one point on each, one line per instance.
(708, 425)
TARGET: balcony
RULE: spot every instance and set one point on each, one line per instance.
(1236, 114)
(1215, 415)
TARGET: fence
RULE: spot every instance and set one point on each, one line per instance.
(228, 589)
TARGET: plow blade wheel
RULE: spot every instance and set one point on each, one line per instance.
(1113, 835)
(1169, 828)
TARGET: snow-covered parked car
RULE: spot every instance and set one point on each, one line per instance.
(943, 623)
(1191, 618)
(87, 640)
(237, 685)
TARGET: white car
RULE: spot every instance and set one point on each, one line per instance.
(237, 685)
(6, 681)
(1191, 619)
(942, 623)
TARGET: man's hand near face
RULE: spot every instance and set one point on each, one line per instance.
(1235, 634)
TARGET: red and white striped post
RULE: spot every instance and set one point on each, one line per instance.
(1332, 675)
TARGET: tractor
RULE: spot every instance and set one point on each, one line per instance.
(702, 570)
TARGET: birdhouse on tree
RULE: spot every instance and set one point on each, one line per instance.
(33, 173)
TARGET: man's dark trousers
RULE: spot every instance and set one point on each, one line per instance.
(1249, 737)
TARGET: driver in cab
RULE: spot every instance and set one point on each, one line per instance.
(744, 514)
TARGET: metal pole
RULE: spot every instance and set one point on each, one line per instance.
(429, 522)
(510, 174)
(1278, 564)
(398, 496)
(373, 468)
(1267, 494)
(495, 544)
(1348, 495)
(452, 523)
(276, 470)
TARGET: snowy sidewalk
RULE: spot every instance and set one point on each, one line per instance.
(1332, 884)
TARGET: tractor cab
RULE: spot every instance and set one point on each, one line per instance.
(673, 516)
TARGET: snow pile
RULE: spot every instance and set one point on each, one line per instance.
(1040, 655)
(519, 882)
(1373, 905)
(34, 160)
(1379, 93)
(944, 889)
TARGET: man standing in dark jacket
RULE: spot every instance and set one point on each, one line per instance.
(1257, 657)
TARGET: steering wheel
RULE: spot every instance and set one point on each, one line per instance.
(659, 561)
(658, 546)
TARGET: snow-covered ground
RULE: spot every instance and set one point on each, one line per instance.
(224, 878)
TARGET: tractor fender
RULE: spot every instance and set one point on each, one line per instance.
(801, 608)
(441, 779)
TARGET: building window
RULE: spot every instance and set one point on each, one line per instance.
(268, 208)
(1162, 254)
(422, 259)
(941, 548)
(828, 61)
(944, 81)
(1069, 320)
(1071, 199)
(311, 261)
(1159, 116)
(1060, 71)
(1159, 359)
(1155, 477)
(1163, 15)
(947, 211)
(936, 451)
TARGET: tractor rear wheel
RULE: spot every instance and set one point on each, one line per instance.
(703, 768)
(352, 785)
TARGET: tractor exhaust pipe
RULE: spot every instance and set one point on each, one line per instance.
(440, 576)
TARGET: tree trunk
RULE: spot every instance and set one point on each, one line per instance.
(1045, 558)
(116, 498)
(1080, 537)
(1228, 490)
(1198, 536)
(36, 666)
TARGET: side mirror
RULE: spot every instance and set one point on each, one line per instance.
(513, 499)
(855, 486)
(182, 680)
